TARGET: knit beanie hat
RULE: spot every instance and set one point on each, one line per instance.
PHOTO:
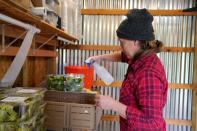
(137, 26)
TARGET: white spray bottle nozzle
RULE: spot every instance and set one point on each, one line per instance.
(89, 62)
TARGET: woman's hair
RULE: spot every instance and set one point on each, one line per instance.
(152, 46)
(148, 47)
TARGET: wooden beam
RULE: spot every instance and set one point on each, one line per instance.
(13, 32)
(92, 47)
(113, 84)
(116, 48)
(52, 62)
(194, 110)
(178, 49)
(194, 96)
(124, 12)
(119, 83)
(168, 121)
(13, 10)
(110, 118)
(179, 86)
(178, 122)
(12, 51)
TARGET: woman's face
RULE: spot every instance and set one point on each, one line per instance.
(129, 47)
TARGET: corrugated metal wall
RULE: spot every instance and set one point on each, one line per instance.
(174, 31)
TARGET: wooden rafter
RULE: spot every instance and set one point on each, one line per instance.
(116, 48)
(124, 12)
(119, 83)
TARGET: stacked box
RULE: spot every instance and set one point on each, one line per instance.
(50, 9)
(23, 110)
(23, 3)
(71, 110)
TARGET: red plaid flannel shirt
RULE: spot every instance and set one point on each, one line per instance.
(144, 92)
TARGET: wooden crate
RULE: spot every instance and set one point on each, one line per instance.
(61, 116)
(70, 97)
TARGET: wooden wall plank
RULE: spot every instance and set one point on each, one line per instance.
(25, 71)
(34, 70)
(30, 72)
(52, 62)
(124, 12)
(19, 80)
(4, 65)
(116, 48)
(40, 70)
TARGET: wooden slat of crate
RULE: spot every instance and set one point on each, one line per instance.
(51, 107)
(55, 115)
(76, 116)
(82, 116)
(54, 122)
(80, 124)
(79, 109)
(52, 96)
(77, 97)
(54, 128)
(70, 97)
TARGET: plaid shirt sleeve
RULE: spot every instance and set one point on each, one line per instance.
(150, 95)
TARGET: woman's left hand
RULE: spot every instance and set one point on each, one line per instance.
(104, 102)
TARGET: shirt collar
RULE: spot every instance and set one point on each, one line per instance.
(140, 61)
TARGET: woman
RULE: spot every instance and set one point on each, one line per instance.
(144, 89)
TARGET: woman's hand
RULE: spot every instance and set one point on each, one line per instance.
(91, 60)
(108, 103)
(116, 57)
(104, 102)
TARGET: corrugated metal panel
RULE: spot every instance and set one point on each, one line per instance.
(178, 66)
(174, 31)
(129, 4)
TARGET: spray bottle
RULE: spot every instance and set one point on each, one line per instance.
(105, 76)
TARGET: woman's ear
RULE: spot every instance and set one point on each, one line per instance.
(135, 42)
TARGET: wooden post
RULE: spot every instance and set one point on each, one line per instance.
(194, 99)
(25, 73)
(51, 68)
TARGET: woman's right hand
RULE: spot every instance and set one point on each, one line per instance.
(116, 56)
(91, 60)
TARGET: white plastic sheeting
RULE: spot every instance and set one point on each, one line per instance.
(71, 17)
(19, 60)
